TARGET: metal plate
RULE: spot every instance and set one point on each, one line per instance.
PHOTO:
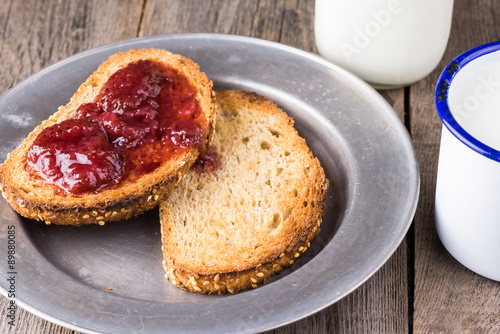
(110, 279)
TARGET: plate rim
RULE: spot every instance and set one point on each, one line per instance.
(289, 49)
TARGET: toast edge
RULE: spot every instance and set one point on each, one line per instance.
(237, 281)
(234, 282)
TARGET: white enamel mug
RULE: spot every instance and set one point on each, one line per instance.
(467, 203)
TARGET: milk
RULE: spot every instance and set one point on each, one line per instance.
(474, 99)
(385, 42)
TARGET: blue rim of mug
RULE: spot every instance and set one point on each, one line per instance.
(441, 98)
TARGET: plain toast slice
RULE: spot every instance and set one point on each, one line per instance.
(250, 210)
(32, 198)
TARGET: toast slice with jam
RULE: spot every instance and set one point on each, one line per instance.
(123, 142)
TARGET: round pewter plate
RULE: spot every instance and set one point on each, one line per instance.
(110, 279)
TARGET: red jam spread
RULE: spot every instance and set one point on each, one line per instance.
(207, 162)
(144, 115)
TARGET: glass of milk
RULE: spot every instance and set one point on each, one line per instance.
(388, 43)
(467, 204)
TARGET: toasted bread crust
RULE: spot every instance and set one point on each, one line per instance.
(32, 199)
(237, 281)
(232, 262)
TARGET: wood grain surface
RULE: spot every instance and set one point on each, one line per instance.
(421, 289)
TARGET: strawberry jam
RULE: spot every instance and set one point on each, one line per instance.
(145, 114)
(207, 162)
(75, 155)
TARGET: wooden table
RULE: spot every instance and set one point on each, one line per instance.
(421, 289)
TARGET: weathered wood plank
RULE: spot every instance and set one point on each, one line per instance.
(39, 33)
(288, 22)
(448, 297)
